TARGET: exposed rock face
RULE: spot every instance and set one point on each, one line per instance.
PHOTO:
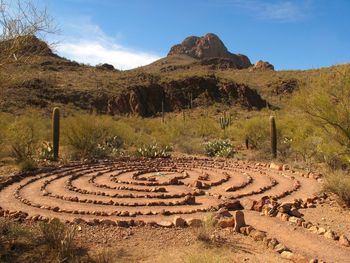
(143, 100)
(263, 65)
(283, 86)
(146, 100)
(208, 46)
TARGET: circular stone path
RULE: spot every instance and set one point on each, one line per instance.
(137, 191)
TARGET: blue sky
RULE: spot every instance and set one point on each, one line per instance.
(289, 34)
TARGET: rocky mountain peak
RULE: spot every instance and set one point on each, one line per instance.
(208, 46)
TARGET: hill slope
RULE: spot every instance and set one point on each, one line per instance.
(196, 79)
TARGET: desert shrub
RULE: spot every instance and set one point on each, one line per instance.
(86, 135)
(325, 103)
(338, 182)
(23, 136)
(46, 151)
(205, 231)
(256, 129)
(111, 146)
(220, 148)
(59, 238)
(27, 165)
(154, 151)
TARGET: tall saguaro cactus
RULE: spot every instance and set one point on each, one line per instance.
(56, 132)
(273, 132)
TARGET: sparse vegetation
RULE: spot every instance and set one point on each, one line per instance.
(222, 148)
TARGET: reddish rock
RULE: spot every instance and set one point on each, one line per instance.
(179, 222)
(263, 65)
(208, 46)
(226, 222)
(239, 220)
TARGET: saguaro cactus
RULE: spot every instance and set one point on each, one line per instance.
(56, 132)
(225, 121)
(163, 114)
(273, 132)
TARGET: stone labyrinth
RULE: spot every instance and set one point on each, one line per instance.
(138, 191)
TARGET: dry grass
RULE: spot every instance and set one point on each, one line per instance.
(338, 182)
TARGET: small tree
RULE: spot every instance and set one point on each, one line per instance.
(20, 20)
(326, 103)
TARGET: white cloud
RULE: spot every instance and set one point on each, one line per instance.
(88, 44)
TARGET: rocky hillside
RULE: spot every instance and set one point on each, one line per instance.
(199, 72)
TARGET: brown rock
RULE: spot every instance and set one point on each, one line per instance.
(263, 65)
(248, 203)
(239, 220)
(179, 222)
(232, 204)
(224, 223)
(208, 46)
(257, 235)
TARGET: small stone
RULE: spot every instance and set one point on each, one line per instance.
(179, 222)
(280, 248)
(343, 240)
(313, 229)
(287, 255)
(245, 230)
(165, 224)
(257, 235)
(330, 234)
(223, 212)
(276, 166)
(224, 223)
(295, 212)
(321, 231)
(248, 203)
(238, 220)
(285, 207)
(273, 243)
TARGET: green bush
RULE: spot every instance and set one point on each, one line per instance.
(154, 151)
(220, 148)
(326, 104)
(85, 135)
(23, 136)
(46, 151)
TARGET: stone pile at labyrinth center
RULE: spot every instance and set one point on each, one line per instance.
(129, 192)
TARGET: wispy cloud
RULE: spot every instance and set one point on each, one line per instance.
(280, 10)
(85, 42)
